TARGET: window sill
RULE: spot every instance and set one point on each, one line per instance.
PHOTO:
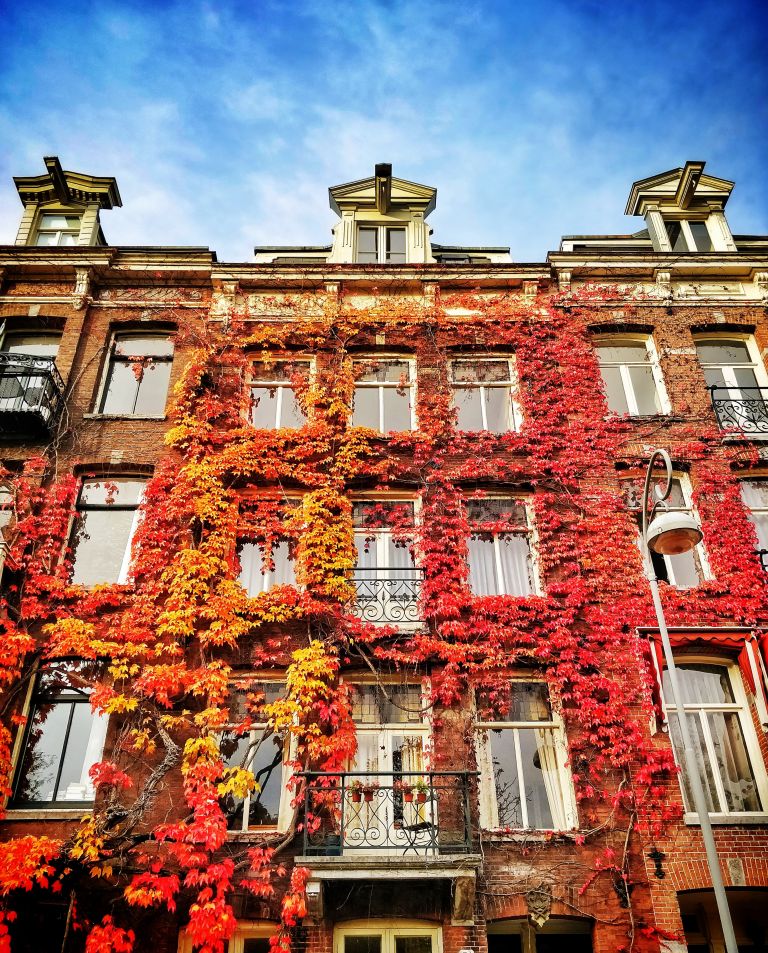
(732, 820)
(47, 813)
(526, 835)
(254, 833)
(124, 417)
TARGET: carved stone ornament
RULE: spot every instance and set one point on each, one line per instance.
(539, 902)
(81, 296)
(761, 280)
(664, 283)
(564, 280)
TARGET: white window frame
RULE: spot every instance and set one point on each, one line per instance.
(685, 228)
(743, 709)
(381, 242)
(125, 565)
(512, 386)
(753, 511)
(388, 385)
(489, 812)
(10, 333)
(533, 544)
(388, 929)
(58, 232)
(288, 745)
(106, 374)
(290, 503)
(624, 340)
(279, 385)
(700, 552)
(381, 537)
(724, 338)
(21, 740)
(243, 931)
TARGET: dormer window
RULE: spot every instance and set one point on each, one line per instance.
(58, 229)
(685, 235)
(379, 244)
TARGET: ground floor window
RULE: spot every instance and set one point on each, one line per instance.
(701, 923)
(555, 936)
(247, 938)
(388, 937)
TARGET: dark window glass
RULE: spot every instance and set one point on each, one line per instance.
(368, 245)
(103, 530)
(64, 737)
(701, 237)
(396, 245)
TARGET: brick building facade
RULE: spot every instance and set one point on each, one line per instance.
(419, 462)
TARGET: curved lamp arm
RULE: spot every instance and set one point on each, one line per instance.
(660, 495)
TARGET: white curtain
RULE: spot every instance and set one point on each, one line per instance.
(483, 579)
(515, 556)
(514, 560)
(254, 575)
(550, 771)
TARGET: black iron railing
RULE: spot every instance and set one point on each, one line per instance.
(30, 394)
(387, 595)
(743, 409)
(763, 554)
(404, 812)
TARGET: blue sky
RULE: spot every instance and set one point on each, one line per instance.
(225, 122)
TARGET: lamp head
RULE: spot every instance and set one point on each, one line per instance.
(673, 533)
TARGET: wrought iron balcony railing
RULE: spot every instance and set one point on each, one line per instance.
(405, 812)
(743, 409)
(30, 395)
(387, 595)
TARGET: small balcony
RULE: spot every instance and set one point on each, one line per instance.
(742, 410)
(416, 814)
(31, 392)
(388, 596)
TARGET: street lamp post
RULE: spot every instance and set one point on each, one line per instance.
(671, 534)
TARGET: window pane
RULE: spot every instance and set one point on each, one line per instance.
(467, 402)
(100, 542)
(47, 238)
(623, 354)
(396, 245)
(362, 944)
(702, 684)
(685, 570)
(366, 409)
(386, 705)
(39, 345)
(510, 512)
(745, 377)
(153, 389)
(142, 345)
(264, 407)
(730, 352)
(367, 245)
(111, 491)
(393, 372)
(413, 944)
(483, 577)
(614, 389)
(528, 701)
(59, 221)
(497, 407)
(644, 388)
(702, 759)
(481, 371)
(121, 390)
(84, 746)
(256, 944)
(733, 762)
(505, 778)
(291, 414)
(676, 237)
(701, 236)
(255, 575)
(42, 755)
(267, 768)
(540, 776)
(515, 556)
(397, 410)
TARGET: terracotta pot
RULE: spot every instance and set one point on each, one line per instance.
(368, 795)
(356, 797)
(408, 796)
(421, 797)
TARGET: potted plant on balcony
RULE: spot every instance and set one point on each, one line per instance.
(402, 787)
(422, 791)
(369, 789)
(356, 790)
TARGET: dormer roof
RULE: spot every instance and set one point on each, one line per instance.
(679, 190)
(69, 188)
(383, 192)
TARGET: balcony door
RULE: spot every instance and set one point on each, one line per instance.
(391, 936)
(389, 804)
(737, 379)
(386, 580)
